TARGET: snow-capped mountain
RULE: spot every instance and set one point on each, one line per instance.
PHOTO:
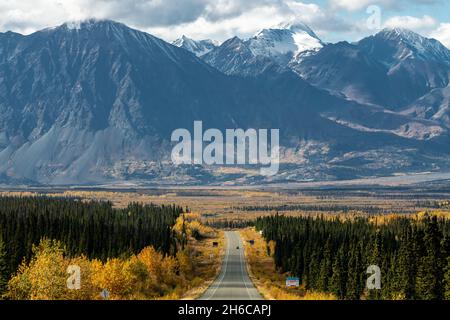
(95, 102)
(415, 65)
(285, 45)
(285, 42)
(392, 46)
(392, 69)
(234, 57)
(199, 48)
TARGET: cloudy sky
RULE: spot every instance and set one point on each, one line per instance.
(333, 20)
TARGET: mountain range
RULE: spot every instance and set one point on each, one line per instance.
(95, 102)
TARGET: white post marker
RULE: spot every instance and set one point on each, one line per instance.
(104, 294)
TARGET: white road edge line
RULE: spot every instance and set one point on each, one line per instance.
(222, 276)
(242, 266)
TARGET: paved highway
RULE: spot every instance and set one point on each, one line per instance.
(233, 282)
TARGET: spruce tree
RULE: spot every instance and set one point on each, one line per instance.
(3, 268)
(446, 254)
(326, 267)
(430, 273)
(354, 275)
(407, 266)
(375, 258)
(338, 279)
(314, 270)
(447, 280)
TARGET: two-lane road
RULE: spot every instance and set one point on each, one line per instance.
(233, 282)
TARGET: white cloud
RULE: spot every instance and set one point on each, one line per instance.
(442, 33)
(248, 22)
(243, 25)
(320, 20)
(426, 26)
(216, 19)
(28, 16)
(422, 25)
(354, 5)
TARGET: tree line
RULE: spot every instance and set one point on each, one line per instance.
(332, 254)
(93, 229)
(315, 208)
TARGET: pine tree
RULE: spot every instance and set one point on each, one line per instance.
(407, 266)
(314, 270)
(376, 259)
(354, 287)
(391, 289)
(446, 253)
(447, 280)
(430, 273)
(3, 268)
(326, 268)
(338, 279)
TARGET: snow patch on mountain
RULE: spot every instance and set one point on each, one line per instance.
(412, 130)
(199, 48)
(285, 42)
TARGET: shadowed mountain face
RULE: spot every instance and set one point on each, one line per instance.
(434, 106)
(96, 102)
(415, 65)
(344, 68)
(391, 69)
(234, 57)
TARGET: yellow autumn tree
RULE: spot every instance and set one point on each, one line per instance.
(140, 281)
(19, 287)
(152, 260)
(88, 290)
(114, 276)
(44, 278)
(185, 264)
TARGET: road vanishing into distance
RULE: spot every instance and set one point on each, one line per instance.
(233, 283)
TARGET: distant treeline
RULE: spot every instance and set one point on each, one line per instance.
(333, 255)
(229, 224)
(94, 229)
(316, 207)
(443, 204)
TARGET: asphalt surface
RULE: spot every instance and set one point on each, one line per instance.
(233, 283)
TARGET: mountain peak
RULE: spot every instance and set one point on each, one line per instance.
(236, 46)
(199, 48)
(407, 44)
(401, 34)
(285, 42)
(91, 23)
(296, 27)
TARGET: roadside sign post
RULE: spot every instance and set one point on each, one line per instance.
(292, 282)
